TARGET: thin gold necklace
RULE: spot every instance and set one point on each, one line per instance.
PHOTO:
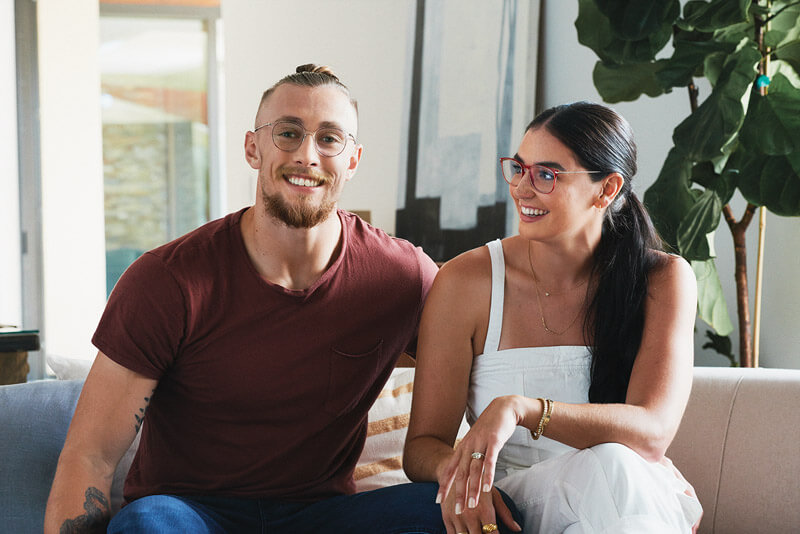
(539, 300)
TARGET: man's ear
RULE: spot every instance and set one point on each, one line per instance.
(612, 185)
(355, 158)
(251, 152)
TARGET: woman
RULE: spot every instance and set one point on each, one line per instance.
(569, 345)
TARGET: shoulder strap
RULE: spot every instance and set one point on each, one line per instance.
(498, 289)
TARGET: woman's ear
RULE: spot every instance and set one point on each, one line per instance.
(612, 185)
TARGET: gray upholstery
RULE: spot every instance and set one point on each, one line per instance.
(34, 418)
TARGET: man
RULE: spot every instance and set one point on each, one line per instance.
(250, 350)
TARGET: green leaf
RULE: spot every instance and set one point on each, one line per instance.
(596, 31)
(722, 345)
(723, 184)
(735, 33)
(691, 50)
(669, 198)
(634, 19)
(625, 83)
(772, 123)
(791, 54)
(709, 16)
(783, 28)
(704, 133)
(748, 164)
(711, 306)
(700, 221)
(780, 187)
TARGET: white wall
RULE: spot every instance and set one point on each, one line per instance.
(567, 76)
(369, 45)
(10, 274)
(72, 175)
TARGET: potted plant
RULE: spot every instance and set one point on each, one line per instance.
(745, 135)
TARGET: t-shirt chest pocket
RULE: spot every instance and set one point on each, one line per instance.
(350, 377)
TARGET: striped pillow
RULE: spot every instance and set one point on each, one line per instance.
(381, 461)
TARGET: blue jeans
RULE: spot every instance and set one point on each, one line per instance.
(401, 509)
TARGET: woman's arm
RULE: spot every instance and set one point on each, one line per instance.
(660, 381)
(444, 362)
(451, 331)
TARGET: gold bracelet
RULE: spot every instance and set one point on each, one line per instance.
(547, 411)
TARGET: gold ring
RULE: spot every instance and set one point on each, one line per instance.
(478, 456)
(488, 527)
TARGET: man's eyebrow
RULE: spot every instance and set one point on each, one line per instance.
(299, 121)
(551, 164)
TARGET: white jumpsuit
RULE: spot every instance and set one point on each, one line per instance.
(607, 488)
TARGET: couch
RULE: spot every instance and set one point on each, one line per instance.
(739, 445)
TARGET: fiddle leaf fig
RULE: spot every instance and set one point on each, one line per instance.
(634, 19)
(703, 133)
(711, 306)
(697, 225)
(731, 140)
(691, 50)
(772, 123)
(670, 197)
(618, 83)
(596, 31)
(709, 16)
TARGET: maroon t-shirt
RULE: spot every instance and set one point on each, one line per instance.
(263, 391)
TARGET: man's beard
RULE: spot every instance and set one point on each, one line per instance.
(300, 214)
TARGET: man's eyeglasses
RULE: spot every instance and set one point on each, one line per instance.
(542, 178)
(288, 136)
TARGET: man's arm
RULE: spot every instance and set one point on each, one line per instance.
(110, 411)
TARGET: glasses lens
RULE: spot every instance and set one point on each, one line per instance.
(287, 135)
(330, 141)
(512, 170)
(544, 179)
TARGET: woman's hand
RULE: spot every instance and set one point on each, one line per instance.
(470, 471)
(472, 520)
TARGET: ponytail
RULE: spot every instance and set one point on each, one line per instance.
(623, 261)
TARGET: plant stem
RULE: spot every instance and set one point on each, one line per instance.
(738, 229)
(693, 92)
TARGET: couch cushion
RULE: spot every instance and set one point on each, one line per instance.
(31, 437)
(738, 446)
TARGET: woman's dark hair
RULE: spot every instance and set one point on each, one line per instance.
(602, 140)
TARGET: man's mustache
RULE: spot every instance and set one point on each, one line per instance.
(310, 172)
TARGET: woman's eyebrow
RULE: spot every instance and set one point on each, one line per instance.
(551, 164)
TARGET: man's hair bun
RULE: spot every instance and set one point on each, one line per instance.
(319, 69)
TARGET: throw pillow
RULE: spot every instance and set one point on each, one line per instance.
(381, 461)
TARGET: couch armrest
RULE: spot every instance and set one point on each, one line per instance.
(738, 446)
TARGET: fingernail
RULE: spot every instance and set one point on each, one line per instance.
(458, 508)
(517, 527)
(472, 502)
(487, 488)
(438, 498)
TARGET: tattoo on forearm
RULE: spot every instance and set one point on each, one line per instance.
(94, 520)
(140, 416)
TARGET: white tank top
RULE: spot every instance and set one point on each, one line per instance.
(560, 373)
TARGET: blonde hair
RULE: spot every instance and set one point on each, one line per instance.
(311, 75)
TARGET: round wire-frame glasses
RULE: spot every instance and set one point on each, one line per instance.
(288, 136)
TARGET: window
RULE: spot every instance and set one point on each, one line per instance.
(154, 79)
